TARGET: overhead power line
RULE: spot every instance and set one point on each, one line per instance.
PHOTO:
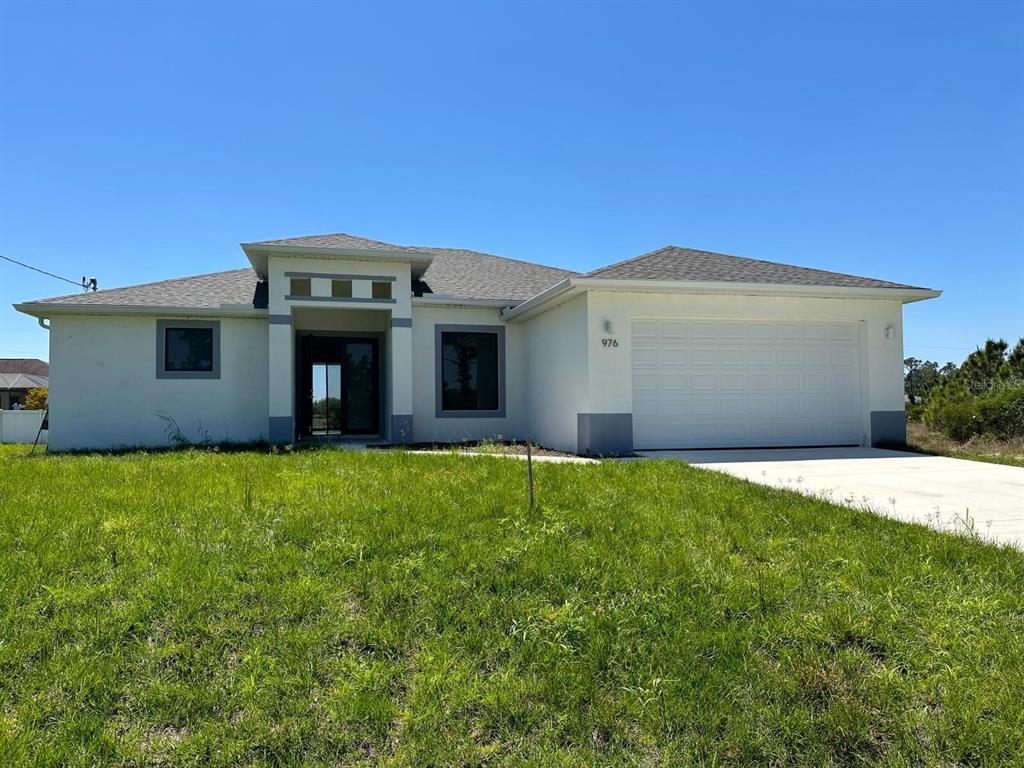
(84, 284)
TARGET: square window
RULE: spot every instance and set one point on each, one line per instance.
(301, 286)
(188, 349)
(470, 371)
(341, 289)
(381, 289)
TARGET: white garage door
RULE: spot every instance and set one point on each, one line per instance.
(699, 384)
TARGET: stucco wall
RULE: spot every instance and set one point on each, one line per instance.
(426, 425)
(556, 373)
(609, 368)
(104, 392)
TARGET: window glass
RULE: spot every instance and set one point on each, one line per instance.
(301, 286)
(381, 289)
(469, 371)
(188, 349)
(341, 289)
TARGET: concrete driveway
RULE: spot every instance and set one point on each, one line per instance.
(934, 490)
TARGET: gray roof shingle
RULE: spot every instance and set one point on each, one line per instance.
(237, 286)
(675, 263)
(29, 365)
(339, 241)
(457, 273)
(454, 272)
(462, 274)
(473, 275)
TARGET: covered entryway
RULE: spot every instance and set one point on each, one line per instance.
(736, 384)
(338, 385)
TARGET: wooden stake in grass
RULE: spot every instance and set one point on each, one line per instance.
(529, 468)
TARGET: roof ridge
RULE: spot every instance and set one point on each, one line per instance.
(290, 240)
(776, 263)
(630, 259)
(495, 256)
(748, 259)
(165, 281)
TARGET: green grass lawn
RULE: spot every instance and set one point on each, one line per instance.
(331, 608)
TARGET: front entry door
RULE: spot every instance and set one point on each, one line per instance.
(340, 386)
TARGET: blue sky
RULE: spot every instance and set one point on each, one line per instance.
(145, 141)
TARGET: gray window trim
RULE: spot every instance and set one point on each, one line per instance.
(161, 348)
(439, 412)
(335, 276)
(341, 299)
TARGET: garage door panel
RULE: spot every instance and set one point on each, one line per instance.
(788, 382)
(789, 357)
(706, 384)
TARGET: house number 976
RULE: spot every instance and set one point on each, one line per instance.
(609, 342)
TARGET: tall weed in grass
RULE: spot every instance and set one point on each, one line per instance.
(340, 608)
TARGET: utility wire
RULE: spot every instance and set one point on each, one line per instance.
(41, 271)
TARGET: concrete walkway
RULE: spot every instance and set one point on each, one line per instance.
(941, 492)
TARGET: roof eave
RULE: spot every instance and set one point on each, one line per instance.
(44, 310)
(453, 301)
(258, 253)
(572, 285)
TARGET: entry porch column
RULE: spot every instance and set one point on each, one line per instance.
(400, 383)
(281, 369)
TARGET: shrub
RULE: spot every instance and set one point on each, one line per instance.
(961, 411)
(915, 411)
(35, 399)
(950, 409)
(1000, 412)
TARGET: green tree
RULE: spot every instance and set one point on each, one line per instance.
(1014, 367)
(920, 377)
(984, 364)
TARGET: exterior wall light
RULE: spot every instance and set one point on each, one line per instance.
(890, 332)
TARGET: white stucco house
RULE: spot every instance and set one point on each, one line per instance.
(341, 337)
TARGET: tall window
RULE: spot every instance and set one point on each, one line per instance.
(470, 371)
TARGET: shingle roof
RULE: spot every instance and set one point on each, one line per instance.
(22, 381)
(237, 286)
(472, 275)
(675, 263)
(462, 274)
(454, 272)
(29, 365)
(457, 273)
(337, 240)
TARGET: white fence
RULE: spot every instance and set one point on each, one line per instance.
(21, 426)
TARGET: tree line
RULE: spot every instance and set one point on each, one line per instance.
(982, 395)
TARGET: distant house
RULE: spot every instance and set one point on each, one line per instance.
(18, 376)
(337, 336)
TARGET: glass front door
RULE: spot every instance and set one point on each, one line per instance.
(339, 388)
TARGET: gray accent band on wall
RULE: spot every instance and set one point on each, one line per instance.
(340, 299)
(439, 412)
(279, 319)
(161, 348)
(401, 322)
(330, 276)
(888, 427)
(280, 430)
(401, 429)
(604, 434)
